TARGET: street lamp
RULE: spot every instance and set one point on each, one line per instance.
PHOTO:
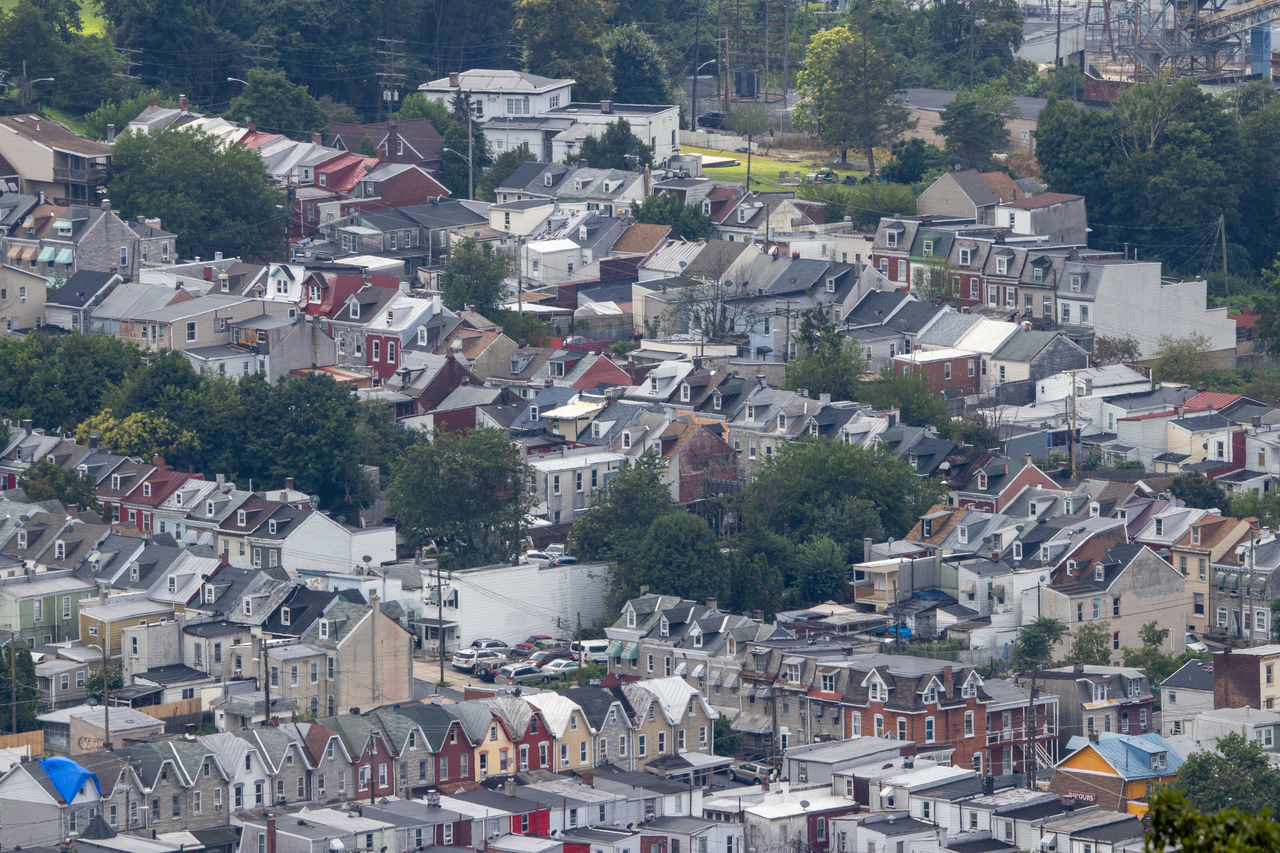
(693, 123)
(471, 169)
(26, 86)
(237, 80)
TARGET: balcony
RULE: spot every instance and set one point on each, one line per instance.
(91, 174)
(1017, 734)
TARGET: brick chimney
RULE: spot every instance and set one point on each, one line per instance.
(393, 138)
(948, 680)
(316, 139)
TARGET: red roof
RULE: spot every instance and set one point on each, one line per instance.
(1206, 400)
(1171, 413)
(343, 172)
(257, 139)
(603, 372)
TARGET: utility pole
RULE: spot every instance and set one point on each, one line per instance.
(582, 656)
(1057, 40)
(1222, 230)
(440, 616)
(973, 22)
(1030, 754)
(106, 690)
(390, 78)
(126, 57)
(786, 52)
(697, 35)
(266, 681)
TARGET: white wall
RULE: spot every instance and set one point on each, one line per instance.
(512, 602)
(321, 543)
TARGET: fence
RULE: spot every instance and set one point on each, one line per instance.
(34, 741)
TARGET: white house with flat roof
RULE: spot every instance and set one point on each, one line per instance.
(499, 93)
(658, 125)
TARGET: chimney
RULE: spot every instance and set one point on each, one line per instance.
(151, 101)
(393, 136)
(761, 380)
(453, 79)
(824, 398)
(183, 103)
(94, 438)
(644, 589)
(713, 604)
(111, 133)
(316, 139)
(606, 107)
(866, 548)
(106, 205)
(589, 779)
(757, 615)
(208, 273)
(190, 732)
(271, 835)
(509, 787)
(27, 424)
(288, 483)
(1078, 668)
(948, 679)
(157, 461)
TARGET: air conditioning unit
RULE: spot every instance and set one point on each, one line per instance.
(236, 673)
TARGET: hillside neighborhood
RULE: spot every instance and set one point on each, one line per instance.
(578, 451)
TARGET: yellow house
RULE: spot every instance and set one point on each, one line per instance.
(109, 615)
(573, 737)
(671, 717)
(1117, 772)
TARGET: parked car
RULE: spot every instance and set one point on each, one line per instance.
(487, 670)
(544, 656)
(538, 558)
(520, 673)
(751, 772)
(594, 651)
(465, 660)
(1195, 644)
(713, 121)
(490, 643)
(531, 645)
(559, 668)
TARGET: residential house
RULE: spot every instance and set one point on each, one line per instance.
(413, 141)
(1184, 695)
(1096, 699)
(43, 608)
(70, 306)
(1120, 770)
(700, 463)
(573, 740)
(501, 93)
(22, 299)
(1211, 539)
(1029, 356)
(1246, 677)
(657, 124)
(1060, 217)
(1241, 589)
(52, 160)
(607, 716)
(199, 322)
(669, 718)
(963, 194)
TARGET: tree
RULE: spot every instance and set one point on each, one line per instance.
(475, 276)
(636, 61)
(975, 125)
(18, 687)
(463, 491)
(621, 513)
(687, 220)
(418, 105)
(120, 113)
(1176, 825)
(561, 38)
(848, 91)
(523, 328)
(910, 394)
(616, 148)
(678, 556)
(864, 204)
(213, 198)
(93, 682)
(1117, 350)
(1198, 491)
(1235, 775)
(753, 584)
(912, 158)
(829, 362)
(139, 434)
(46, 481)
(1090, 645)
(503, 165)
(278, 106)
(1033, 647)
(1182, 359)
(1151, 656)
(823, 571)
(457, 171)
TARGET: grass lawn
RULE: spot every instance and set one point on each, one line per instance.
(90, 19)
(764, 170)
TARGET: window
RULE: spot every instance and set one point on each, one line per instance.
(968, 724)
(640, 745)
(928, 729)
(191, 331)
(902, 728)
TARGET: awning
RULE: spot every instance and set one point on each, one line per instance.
(46, 255)
(968, 587)
(698, 670)
(1221, 578)
(1235, 582)
(682, 668)
(28, 252)
(614, 650)
(64, 256)
(13, 253)
(752, 723)
(631, 651)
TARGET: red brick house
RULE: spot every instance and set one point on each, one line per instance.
(950, 372)
(527, 730)
(448, 743)
(139, 505)
(697, 457)
(373, 757)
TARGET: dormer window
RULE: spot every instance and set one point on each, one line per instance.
(782, 422)
(271, 527)
(115, 482)
(547, 180)
(631, 618)
(964, 535)
(664, 628)
(1037, 274)
(928, 248)
(653, 384)
(146, 490)
(177, 499)
(1076, 282)
(742, 215)
(1099, 573)
(697, 641)
(248, 606)
(60, 550)
(926, 527)
(751, 412)
(891, 239)
(1095, 509)
(22, 540)
(966, 257)
(173, 584)
(208, 508)
(931, 694)
(716, 401)
(684, 392)
(1071, 567)
(284, 616)
(1017, 550)
(353, 310)
(1159, 526)
(210, 594)
(1195, 536)
(706, 207)
(1044, 552)
(533, 413)
(323, 625)
(1002, 266)
(626, 440)
(982, 481)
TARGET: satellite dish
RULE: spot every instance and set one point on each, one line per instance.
(336, 844)
(804, 804)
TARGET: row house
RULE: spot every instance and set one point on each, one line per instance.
(52, 160)
(1093, 699)
(1240, 588)
(1206, 542)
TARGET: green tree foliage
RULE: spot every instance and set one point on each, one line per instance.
(46, 481)
(455, 173)
(48, 38)
(754, 584)
(1182, 359)
(864, 204)
(621, 514)
(1151, 656)
(1176, 825)
(139, 434)
(337, 112)
(848, 90)
(503, 165)
(44, 376)
(677, 556)
(1034, 645)
(214, 199)
(1090, 645)
(1235, 776)
(822, 569)
(687, 220)
(636, 62)
(475, 276)
(975, 125)
(829, 362)
(1198, 491)
(561, 38)
(616, 148)
(814, 488)
(123, 111)
(523, 328)
(93, 682)
(912, 159)
(18, 685)
(277, 105)
(418, 105)
(465, 492)
(1116, 350)
(1265, 508)
(910, 394)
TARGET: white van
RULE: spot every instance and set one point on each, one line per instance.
(595, 651)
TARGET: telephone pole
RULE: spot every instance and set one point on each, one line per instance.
(1222, 231)
(126, 57)
(390, 78)
(440, 616)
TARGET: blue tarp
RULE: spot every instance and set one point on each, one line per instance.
(68, 777)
